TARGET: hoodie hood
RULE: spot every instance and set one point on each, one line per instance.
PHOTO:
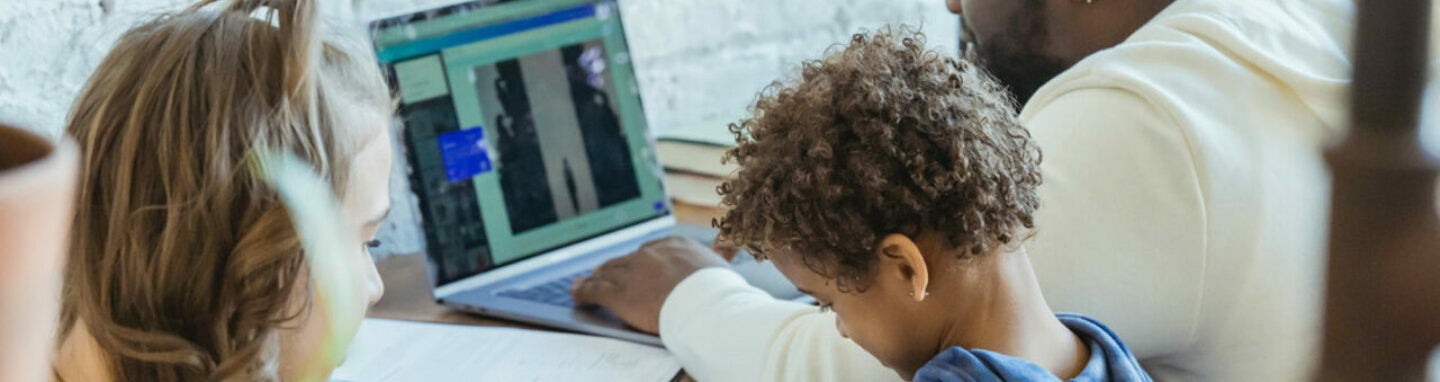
(1302, 45)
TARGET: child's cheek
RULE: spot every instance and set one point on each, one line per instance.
(871, 331)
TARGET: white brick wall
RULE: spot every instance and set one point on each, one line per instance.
(698, 60)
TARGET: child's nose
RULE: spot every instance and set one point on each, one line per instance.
(374, 286)
(955, 6)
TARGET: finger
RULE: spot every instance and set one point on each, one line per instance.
(610, 267)
(593, 291)
(575, 285)
(653, 243)
(671, 240)
(681, 240)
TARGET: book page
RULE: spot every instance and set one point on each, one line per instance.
(390, 350)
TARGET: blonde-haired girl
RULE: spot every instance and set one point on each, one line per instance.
(184, 265)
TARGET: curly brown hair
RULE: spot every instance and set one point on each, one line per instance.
(880, 137)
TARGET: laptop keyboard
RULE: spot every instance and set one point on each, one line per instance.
(556, 292)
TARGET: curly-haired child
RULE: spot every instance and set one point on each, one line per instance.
(897, 187)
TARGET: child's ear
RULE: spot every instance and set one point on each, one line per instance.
(909, 262)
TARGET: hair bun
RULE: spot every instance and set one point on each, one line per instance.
(298, 22)
(301, 41)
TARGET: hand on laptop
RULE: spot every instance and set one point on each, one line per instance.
(635, 286)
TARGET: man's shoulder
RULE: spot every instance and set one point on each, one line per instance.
(1156, 79)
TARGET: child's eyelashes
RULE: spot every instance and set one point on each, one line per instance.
(824, 307)
(372, 244)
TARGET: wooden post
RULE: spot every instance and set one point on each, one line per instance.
(1382, 309)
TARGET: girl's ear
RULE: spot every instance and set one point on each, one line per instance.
(901, 258)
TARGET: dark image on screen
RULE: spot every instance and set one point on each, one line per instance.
(605, 143)
(522, 169)
(562, 150)
(455, 239)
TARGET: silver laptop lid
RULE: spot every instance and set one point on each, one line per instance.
(524, 131)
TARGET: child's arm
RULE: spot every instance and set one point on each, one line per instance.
(723, 329)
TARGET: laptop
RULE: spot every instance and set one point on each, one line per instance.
(529, 156)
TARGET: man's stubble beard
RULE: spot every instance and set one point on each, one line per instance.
(1015, 59)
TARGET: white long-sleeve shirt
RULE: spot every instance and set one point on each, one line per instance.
(1184, 204)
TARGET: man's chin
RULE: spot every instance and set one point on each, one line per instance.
(1014, 59)
(1022, 74)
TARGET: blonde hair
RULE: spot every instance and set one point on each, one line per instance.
(182, 262)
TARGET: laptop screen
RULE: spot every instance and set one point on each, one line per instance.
(523, 128)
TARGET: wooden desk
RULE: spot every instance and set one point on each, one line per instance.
(407, 288)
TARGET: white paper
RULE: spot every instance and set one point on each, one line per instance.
(390, 350)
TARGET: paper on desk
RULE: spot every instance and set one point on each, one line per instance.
(390, 350)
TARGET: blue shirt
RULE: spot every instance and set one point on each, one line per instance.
(1109, 360)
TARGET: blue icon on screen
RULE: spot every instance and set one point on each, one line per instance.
(465, 154)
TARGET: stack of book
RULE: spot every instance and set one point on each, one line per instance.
(692, 160)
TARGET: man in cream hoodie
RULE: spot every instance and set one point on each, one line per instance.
(1184, 200)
